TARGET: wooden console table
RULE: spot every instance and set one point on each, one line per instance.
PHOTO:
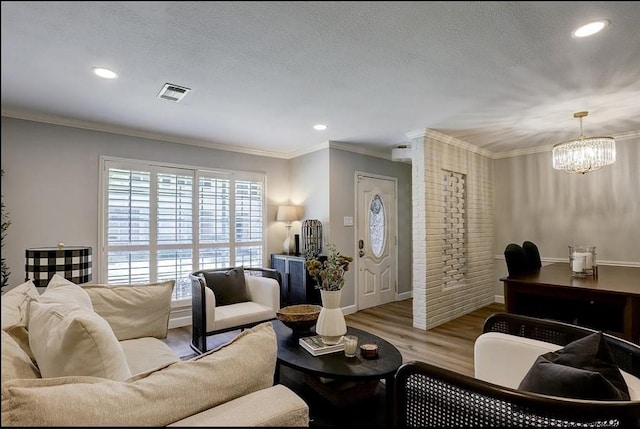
(610, 302)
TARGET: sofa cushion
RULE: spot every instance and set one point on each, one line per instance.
(21, 336)
(15, 302)
(72, 340)
(62, 291)
(15, 362)
(228, 286)
(144, 354)
(156, 398)
(148, 307)
(583, 369)
(279, 407)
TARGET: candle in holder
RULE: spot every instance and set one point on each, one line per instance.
(582, 260)
(350, 345)
(369, 351)
(579, 262)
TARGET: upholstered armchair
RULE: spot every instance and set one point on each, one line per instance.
(429, 396)
(231, 298)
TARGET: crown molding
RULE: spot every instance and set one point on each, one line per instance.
(311, 149)
(547, 148)
(361, 150)
(98, 126)
(520, 152)
(627, 136)
(412, 135)
(444, 138)
(436, 135)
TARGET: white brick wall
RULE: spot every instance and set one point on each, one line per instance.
(419, 230)
(467, 262)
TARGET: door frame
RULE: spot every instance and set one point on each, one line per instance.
(357, 227)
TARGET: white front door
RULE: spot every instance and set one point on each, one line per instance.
(376, 248)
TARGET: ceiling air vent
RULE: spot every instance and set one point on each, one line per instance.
(173, 92)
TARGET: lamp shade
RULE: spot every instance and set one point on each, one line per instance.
(287, 213)
(73, 263)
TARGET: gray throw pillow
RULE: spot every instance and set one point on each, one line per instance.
(583, 369)
(228, 286)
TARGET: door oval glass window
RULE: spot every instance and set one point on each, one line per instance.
(377, 226)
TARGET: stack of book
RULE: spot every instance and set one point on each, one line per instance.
(316, 347)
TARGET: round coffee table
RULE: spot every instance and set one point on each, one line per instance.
(336, 365)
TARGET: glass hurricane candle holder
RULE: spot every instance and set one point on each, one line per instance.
(582, 261)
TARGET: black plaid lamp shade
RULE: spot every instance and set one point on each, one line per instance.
(73, 263)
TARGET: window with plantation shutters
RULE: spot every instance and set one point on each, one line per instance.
(163, 222)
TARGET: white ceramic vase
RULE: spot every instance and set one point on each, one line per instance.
(331, 325)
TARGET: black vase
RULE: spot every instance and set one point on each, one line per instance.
(296, 239)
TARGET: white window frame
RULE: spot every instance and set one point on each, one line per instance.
(107, 162)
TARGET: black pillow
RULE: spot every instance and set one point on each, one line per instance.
(228, 286)
(583, 369)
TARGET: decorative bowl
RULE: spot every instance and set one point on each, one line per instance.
(300, 318)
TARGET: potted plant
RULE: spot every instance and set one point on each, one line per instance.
(329, 276)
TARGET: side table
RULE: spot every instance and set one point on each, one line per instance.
(338, 367)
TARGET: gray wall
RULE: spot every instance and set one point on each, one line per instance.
(51, 190)
(343, 203)
(555, 209)
(50, 186)
(309, 187)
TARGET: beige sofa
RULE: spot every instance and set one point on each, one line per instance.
(94, 356)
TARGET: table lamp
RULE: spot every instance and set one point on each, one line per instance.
(71, 262)
(287, 214)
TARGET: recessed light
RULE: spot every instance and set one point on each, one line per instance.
(590, 28)
(104, 73)
(320, 127)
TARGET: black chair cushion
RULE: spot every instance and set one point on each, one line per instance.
(583, 369)
(228, 286)
(516, 258)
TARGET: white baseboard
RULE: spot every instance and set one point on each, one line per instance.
(404, 295)
(179, 322)
(600, 262)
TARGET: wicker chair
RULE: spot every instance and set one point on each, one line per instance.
(263, 304)
(429, 396)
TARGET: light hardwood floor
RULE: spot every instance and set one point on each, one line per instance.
(449, 345)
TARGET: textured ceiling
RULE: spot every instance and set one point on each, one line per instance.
(504, 76)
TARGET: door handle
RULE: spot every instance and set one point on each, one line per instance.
(360, 244)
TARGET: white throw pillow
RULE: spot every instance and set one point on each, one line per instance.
(133, 311)
(70, 340)
(15, 303)
(62, 291)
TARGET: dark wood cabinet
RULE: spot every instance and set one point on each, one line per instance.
(297, 287)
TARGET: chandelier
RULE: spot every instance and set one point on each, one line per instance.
(584, 154)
